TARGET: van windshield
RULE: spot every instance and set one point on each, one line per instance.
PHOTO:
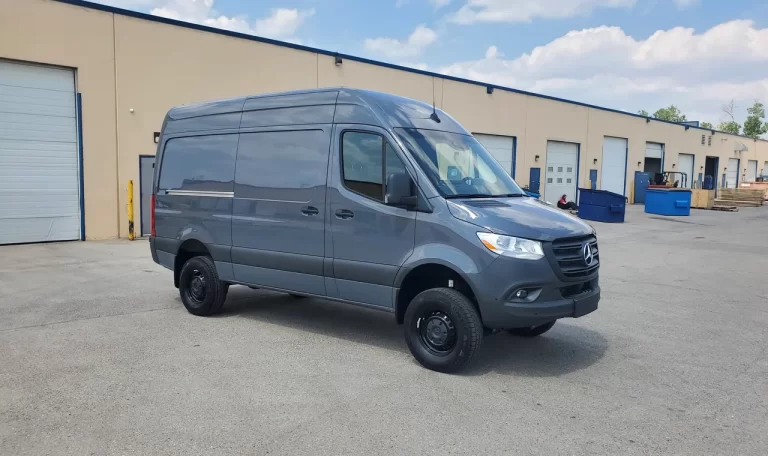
(458, 165)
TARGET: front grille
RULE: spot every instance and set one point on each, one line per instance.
(569, 257)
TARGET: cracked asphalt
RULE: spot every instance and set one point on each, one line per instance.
(98, 356)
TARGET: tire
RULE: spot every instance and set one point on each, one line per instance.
(206, 298)
(452, 319)
(532, 331)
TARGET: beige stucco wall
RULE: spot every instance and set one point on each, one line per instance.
(63, 35)
(126, 63)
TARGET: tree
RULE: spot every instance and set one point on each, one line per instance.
(729, 109)
(729, 126)
(754, 125)
(706, 125)
(671, 114)
(643, 112)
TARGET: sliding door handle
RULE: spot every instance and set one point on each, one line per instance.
(309, 210)
(344, 214)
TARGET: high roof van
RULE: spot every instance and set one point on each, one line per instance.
(369, 199)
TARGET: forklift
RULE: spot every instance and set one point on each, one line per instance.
(667, 180)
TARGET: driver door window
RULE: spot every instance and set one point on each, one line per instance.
(367, 159)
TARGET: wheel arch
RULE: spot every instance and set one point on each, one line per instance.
(428, 274)
(190, 248)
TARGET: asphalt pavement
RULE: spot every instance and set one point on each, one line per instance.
(98, 356)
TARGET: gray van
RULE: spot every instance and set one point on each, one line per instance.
(369, 199)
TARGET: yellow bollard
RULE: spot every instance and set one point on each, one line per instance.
(131, 234)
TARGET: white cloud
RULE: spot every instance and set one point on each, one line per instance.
(401, 3)
(605, 66)
(282, 23)
(526, 10)
(683, 4)
(417, 41)
(439, 3)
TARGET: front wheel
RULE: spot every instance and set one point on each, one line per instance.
(200, 288)
(443, 329)
(532, 331)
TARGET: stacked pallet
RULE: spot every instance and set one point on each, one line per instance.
(741, 197)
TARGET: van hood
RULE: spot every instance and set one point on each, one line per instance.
(520, 217)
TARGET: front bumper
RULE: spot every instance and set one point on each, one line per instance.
(551, 298)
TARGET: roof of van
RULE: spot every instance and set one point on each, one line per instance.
(340, 105)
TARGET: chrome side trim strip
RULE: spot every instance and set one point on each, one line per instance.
(199, 193)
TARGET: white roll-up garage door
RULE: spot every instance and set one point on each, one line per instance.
(39, 166)
(501, 147)
(751, 170)
(685, 164)
(732, 173)
(614, 168)
(562, 167)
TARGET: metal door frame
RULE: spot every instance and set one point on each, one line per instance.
(141, 192)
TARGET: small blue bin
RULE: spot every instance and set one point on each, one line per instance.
(601, 206)
(668, 201)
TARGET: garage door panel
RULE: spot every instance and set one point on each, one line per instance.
(560, 171)
(614, 167)
(13, 107)
(732, 173)
(502, 148)
(37, 77)
(39, 165)
(17, 230)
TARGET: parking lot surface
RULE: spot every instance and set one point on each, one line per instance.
(98, 356)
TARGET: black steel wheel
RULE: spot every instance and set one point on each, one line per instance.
(443, 329)
(200, 288)
(437, 332)
(532, 331)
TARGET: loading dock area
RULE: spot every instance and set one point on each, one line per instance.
(672, 363)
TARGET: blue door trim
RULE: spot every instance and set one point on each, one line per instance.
(514, 156)
(79, 104)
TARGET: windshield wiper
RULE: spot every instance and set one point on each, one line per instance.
(470, 195)
(510, 195)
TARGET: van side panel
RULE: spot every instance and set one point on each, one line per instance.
(279, 208)
(195, 192)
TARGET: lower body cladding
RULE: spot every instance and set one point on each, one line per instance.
(514, 293)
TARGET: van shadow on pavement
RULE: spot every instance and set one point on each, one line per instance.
(566, 348)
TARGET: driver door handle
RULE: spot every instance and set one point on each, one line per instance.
(309, 210)
(344, 214)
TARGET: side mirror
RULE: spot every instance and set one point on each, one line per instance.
(399, 191)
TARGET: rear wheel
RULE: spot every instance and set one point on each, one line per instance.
(200, 288)
(443, 329)
(532, 331)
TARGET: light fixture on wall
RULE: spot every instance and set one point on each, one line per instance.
(639, 163)
(536, 158)
(673, 166)
(701, 167)
(489, 90)
(337, 59)
(647, 120)
(156, 137)
(594, 161)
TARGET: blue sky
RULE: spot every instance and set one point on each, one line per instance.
(625, 54)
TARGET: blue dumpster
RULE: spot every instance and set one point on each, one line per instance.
(601, 206)
(668, 201)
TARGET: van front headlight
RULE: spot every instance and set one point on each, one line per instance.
(524, 249)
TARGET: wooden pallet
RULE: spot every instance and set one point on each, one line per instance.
(741, 196)
(739, 203)
(725, 208)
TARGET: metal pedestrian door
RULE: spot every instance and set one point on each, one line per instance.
(146, 174)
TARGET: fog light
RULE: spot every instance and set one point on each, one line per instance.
(521, 294)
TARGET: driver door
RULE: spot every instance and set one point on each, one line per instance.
(370, 240)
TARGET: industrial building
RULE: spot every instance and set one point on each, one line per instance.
(84, 89)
